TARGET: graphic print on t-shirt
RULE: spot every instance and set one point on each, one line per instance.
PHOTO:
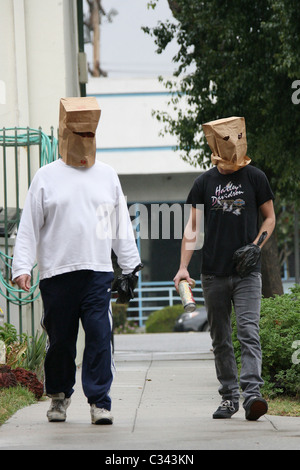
(228, 198)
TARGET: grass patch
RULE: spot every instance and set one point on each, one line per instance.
(284, 406)
(12, 399)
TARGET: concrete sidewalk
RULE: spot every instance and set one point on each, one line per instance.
(164, 394)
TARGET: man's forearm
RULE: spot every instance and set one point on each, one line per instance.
(269, 220)
(185, 258)
(267, 226)
(187, 250)
(188, 246)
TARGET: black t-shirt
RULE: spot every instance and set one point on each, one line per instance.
(231, 208)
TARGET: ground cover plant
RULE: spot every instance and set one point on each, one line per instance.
(280, 341)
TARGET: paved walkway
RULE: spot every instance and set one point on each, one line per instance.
(164, 394)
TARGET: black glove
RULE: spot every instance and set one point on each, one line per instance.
(247, 257)
(125, 285)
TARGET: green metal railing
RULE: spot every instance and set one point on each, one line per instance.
(24, 150)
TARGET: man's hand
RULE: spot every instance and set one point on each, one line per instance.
(182, 274)
(246, 258)
(23, 282)
(125, 285)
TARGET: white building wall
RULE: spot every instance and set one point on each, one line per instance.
(38, 66)
(129, 139)
(38, 57)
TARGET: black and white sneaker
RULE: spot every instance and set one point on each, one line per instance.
(255, 408)
(101, 415)
(58, 407)
(226, 409)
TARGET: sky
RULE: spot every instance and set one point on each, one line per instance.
(126, 51)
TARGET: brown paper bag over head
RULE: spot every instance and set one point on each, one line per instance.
(228, 143)
(78, 121)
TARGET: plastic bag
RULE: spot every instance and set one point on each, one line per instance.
(125, 285)
(247, 257)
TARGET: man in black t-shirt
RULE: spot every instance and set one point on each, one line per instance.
(232, 194)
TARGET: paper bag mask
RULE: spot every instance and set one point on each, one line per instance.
(78, 121)
(227, 141)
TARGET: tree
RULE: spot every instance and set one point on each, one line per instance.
(238, 58)
(92, 23)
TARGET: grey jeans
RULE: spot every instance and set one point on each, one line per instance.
(220, 293)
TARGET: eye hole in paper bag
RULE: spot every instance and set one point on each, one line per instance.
(85, 134)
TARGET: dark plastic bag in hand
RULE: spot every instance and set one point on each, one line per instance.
(125, 285)
(247, 257)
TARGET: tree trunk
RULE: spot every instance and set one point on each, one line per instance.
(270, 268)
(96, 41)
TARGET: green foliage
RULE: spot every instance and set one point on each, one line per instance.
(8, 334)
(16, 345)
(120, 323)
(35, 354)
(119, 313)
(236, 58)
(162, 321)
(24, 351)
(285, 232)
(279, 330)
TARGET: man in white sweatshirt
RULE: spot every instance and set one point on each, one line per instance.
(75, 213)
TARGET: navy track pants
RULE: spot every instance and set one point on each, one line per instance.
(67, 298)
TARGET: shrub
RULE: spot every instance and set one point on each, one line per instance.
(29, 379)
(120, 323)
(19, 376)
(119, 313)
(35, 354)
(162, 321)
(15, 344)
(24, 351)
(279, 329)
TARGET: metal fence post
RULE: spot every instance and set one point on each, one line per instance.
(17, 169)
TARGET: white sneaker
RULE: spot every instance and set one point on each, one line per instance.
(58, 407)
(101, 415)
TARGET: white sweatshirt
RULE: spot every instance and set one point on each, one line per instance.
(71, 220)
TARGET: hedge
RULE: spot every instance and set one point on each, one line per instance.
(279, 333)
(163, 321)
